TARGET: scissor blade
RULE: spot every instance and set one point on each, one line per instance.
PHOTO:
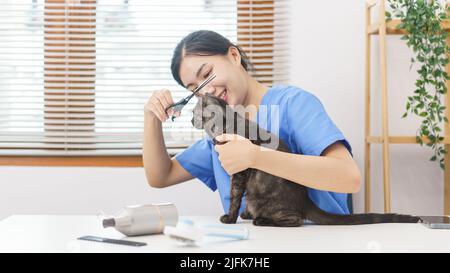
(177, 107)
(205, 82)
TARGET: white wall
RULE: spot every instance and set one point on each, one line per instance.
(38, 190)
(327, 60)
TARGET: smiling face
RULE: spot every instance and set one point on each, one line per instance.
(230, 83)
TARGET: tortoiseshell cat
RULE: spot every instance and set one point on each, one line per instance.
(271, 200)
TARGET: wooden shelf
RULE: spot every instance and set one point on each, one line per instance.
(391, 27)
(383, 28)
(402, 140)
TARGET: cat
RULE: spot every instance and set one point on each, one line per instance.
(270, 200)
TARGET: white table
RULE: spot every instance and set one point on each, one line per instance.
(59, 233)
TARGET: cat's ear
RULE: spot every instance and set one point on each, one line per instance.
(208, 96)
(216, 100)
(209, 99)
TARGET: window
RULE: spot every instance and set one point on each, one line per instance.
(75, 74)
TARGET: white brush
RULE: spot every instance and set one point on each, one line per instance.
(187, 233)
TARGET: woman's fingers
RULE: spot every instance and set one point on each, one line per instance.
(158, 110)
(158, 103)
(162, 105)
(167, 100)
(164, 98)
(228, 137)
(167, 96)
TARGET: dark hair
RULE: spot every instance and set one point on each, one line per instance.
(203, 43)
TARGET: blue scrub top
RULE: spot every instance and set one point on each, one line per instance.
(303, 125)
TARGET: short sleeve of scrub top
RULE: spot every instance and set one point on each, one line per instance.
(196, 159)
(310, 131)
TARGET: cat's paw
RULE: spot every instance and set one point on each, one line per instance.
(227, 219)
(246, 215)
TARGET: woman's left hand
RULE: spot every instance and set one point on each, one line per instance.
(238, 154)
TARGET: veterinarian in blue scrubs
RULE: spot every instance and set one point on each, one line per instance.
(305, 128)
(320, 158)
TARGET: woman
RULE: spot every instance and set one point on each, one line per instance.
(321, 157)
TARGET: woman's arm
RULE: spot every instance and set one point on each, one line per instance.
(160, 170)
(334, 171)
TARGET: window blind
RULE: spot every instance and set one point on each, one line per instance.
(75, 74)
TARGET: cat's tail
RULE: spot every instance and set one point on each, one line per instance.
(321, 217)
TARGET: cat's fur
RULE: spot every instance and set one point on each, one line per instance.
(271, 200)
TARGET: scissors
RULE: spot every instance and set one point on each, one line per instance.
(180, 104)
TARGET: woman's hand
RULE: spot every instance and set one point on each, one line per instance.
(237, 154)
(157, 104)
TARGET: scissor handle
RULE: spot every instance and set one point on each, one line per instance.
(181, 103)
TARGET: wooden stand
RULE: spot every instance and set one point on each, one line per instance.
(382, 29)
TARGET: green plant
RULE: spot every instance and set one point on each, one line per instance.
(422, 21)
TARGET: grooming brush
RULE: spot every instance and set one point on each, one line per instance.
(187, 233)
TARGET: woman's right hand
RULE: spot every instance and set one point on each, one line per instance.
(157, 104)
